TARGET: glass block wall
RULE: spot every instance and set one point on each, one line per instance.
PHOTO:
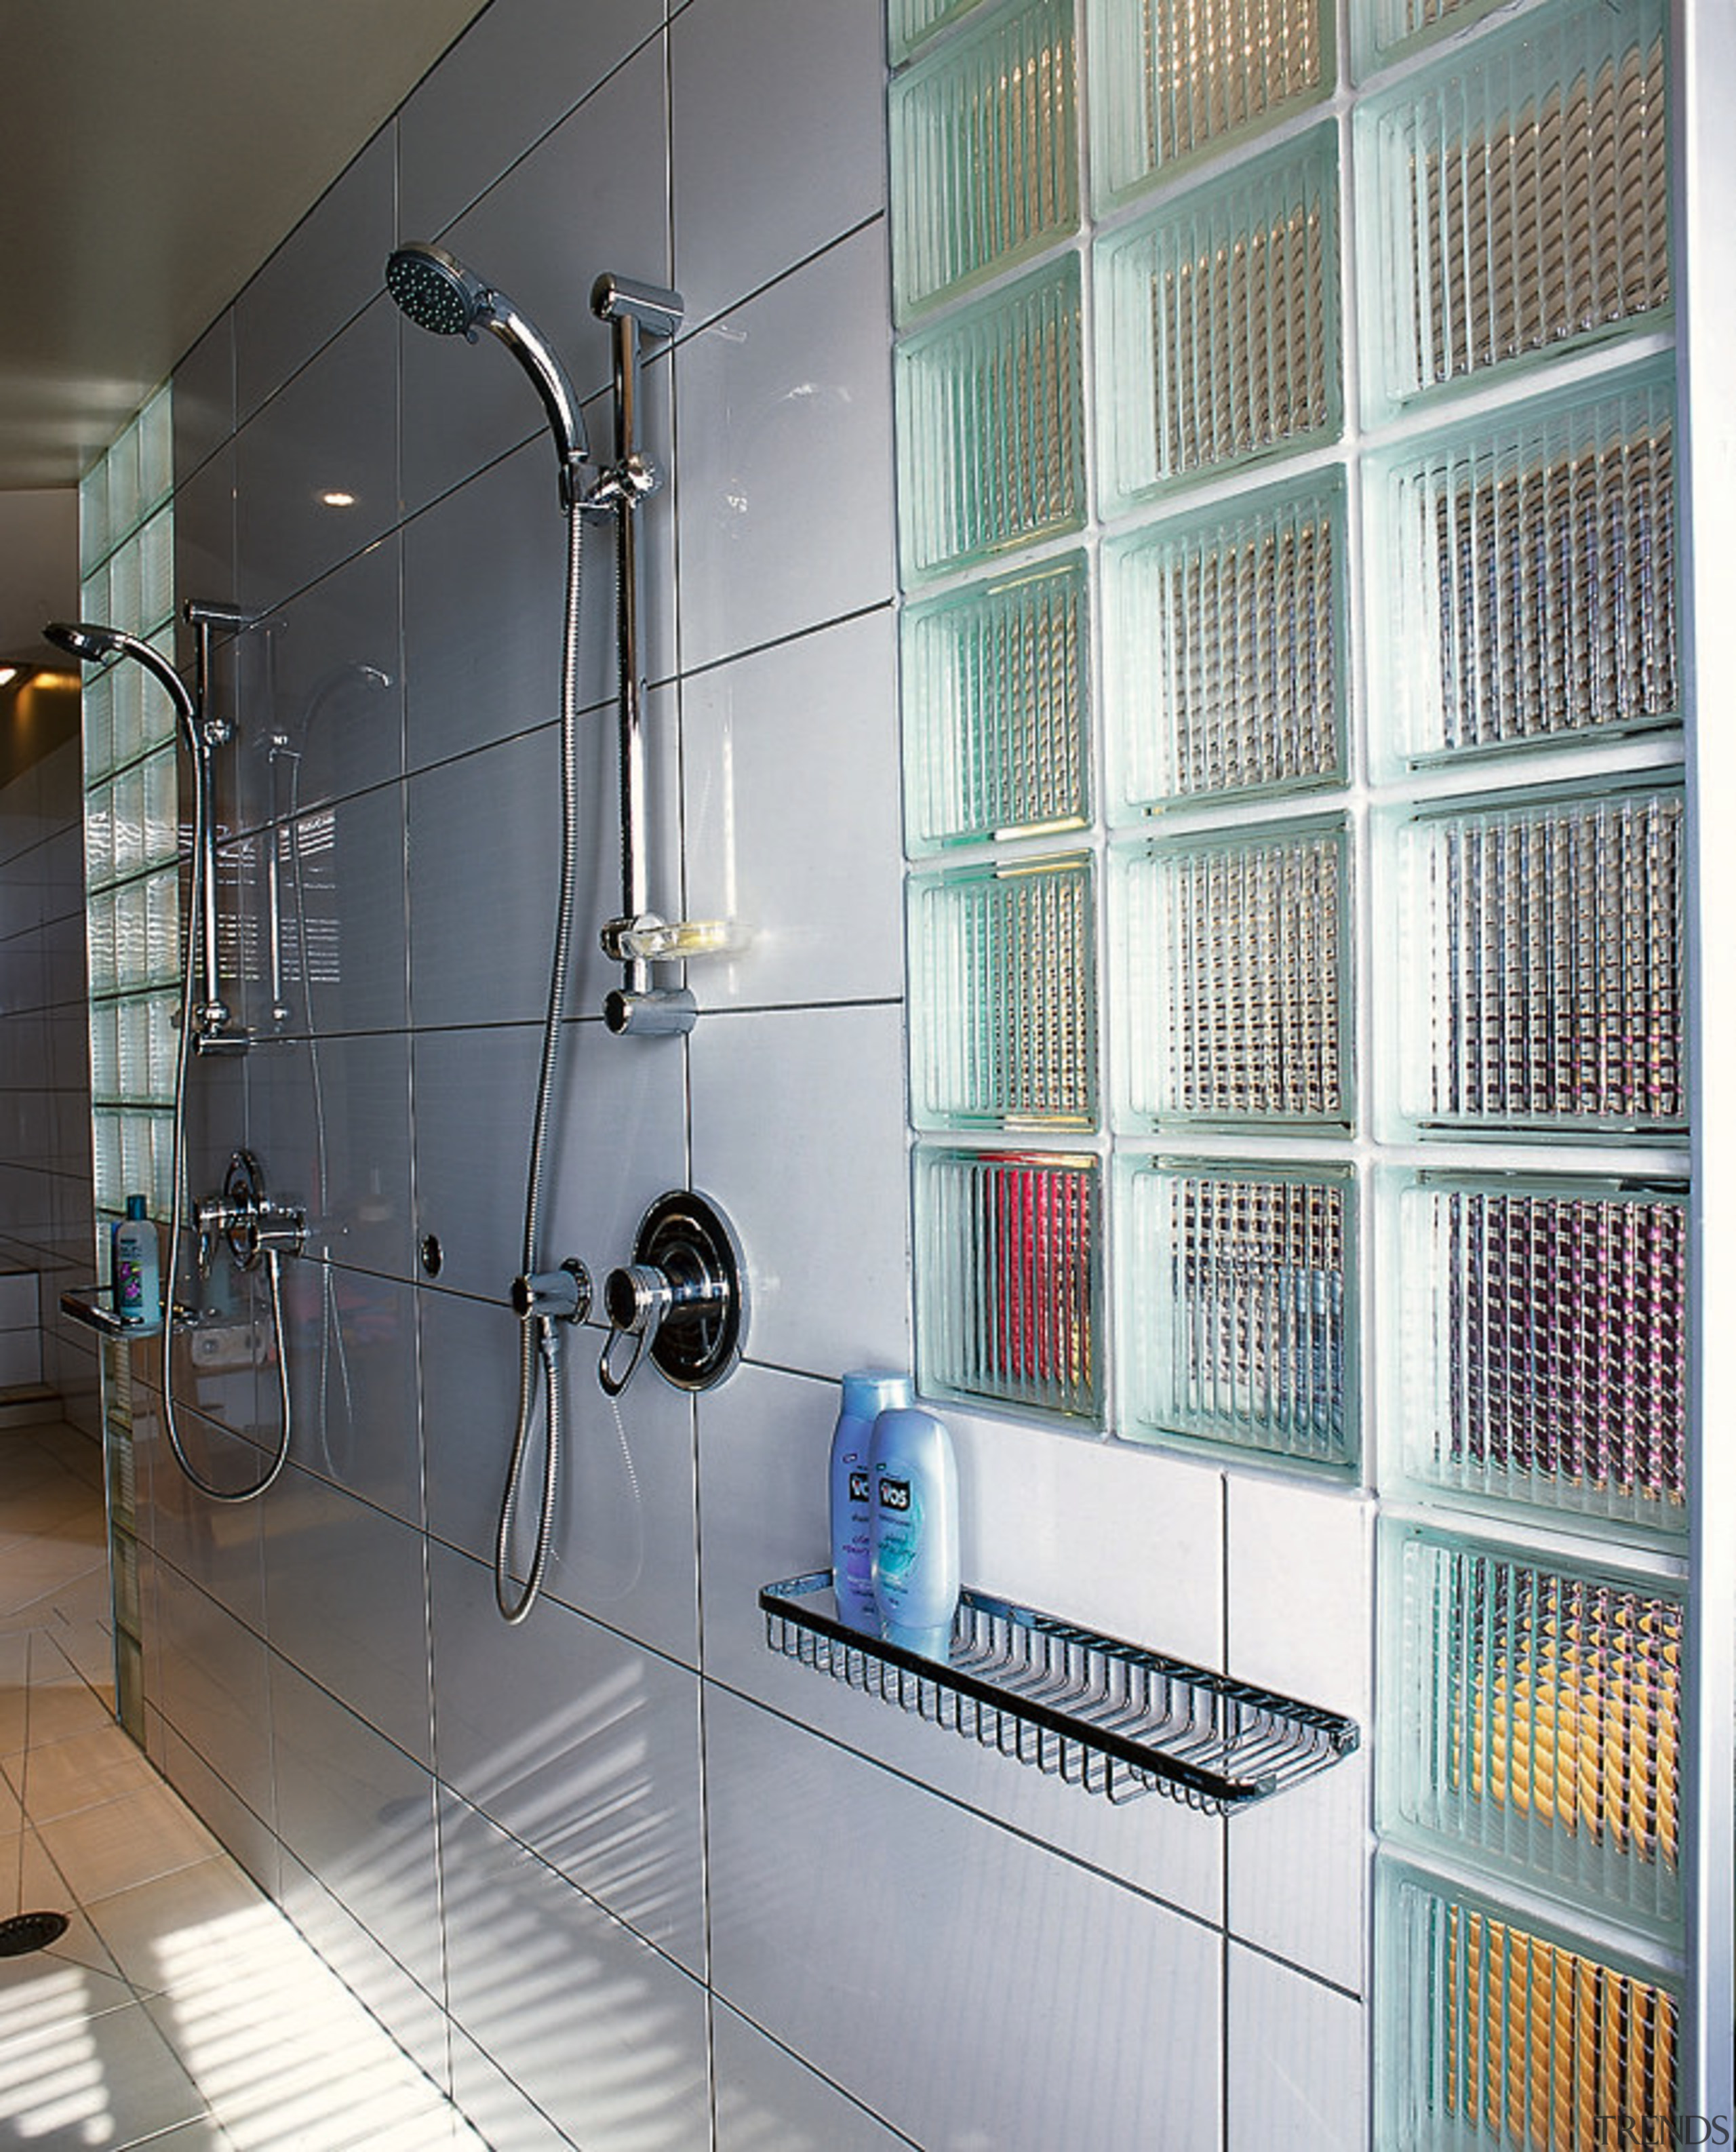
(131, 820)
(1291, 705)
(132, 870)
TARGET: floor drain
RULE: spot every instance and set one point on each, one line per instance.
(31, 1931)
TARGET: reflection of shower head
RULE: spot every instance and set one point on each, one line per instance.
(438, 293)
(82, 640)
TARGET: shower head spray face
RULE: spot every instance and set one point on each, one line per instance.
(438, 293)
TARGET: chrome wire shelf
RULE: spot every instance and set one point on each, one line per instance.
(1110, 1718)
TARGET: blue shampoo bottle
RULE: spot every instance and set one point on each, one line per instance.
(867, 1391)
(137, 1292)
(915, 1481)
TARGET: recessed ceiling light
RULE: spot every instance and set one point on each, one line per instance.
(336, 500)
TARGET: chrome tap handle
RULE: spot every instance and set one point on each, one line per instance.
(562, 1295)
(636, 1296)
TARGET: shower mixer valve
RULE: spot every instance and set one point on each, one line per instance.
(681, 1300)
(254, 1222)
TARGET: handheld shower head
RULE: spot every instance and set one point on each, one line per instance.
(438, 293)
(88, 642)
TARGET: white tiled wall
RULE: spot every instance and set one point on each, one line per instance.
(620, 1876)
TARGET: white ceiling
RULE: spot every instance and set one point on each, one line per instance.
(153, 154)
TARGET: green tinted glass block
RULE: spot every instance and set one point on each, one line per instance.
(122, 462)
(110, 1184)
(995, 691)
(159, 943)
(1546, 970)
(910, 24)
(156, 450)
(1218, 338)
(984, 152)
(159, 811)
(1009, 1259)
(1544, 1345)
(127, 799)
(104, 1052)
(1531, 1718)
(1173, 79)
(1498, 2031)
(1530, 569)
(1519, 192)
(1235, 979)
(1002, 995)
(1237, 1300)
(97, 697)
(991, 425)
(93, 517)
(1226, 649)
(156, 572)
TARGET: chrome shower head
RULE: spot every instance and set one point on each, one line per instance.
(438, 293)
(88, 642)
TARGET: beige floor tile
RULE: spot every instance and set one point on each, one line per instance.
(83, 1771)
(197, 1921)
(107, 2080)
(134, 1839)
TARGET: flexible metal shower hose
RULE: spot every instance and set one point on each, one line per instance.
(538, 1342)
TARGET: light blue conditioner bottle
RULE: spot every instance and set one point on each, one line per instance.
(915, 1479)
(867, 1391)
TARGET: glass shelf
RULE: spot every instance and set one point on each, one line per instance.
(1110, 1718)
(92, 1306)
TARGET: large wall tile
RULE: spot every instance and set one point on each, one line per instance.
(739, 222)
(474, 1091)
(790, 782)
(582, 1745)
(329, 432)
(775, 1094)
(1296, 2062)
(602, 2034)
(1029, 2003)
(784, 490)
(329, 1118)
(768, 2102)
(328, 269)
(215, 1688)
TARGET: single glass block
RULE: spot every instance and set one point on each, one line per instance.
(133, 1034)
(156, 450)
(155, 549)
(99, 940)
(162, 934)
(164, 1017)
(97, 697)
(1226, 649)
(127, 799)
(1009, 1260)
(1543, 964)
(104, 1052)
(110, 1174)
(1236, 978)
(138, 1156)
(1545, 1338)
(1531, 1716)
(94, 594)
(160, 1188)
(1531, 567)
(129, 687)
(910, 24)
(93, 538)
(995, 691)
(984, 152)
(1218, 339)
(125, 595)
(1502, 2032)
(123, 476)
(99, 867)
(159, 782)
(1520, 192)
(1237, 1296)
(1175, 79)
(991, 425)
(1002, 995)
(130, 964)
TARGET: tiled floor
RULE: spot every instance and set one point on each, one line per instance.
(180, 2010)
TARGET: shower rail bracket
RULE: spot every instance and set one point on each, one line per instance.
(1110, 1718)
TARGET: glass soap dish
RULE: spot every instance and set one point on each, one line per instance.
(1009, 1278)
(996, 693)
(984, 152)
(991, 425)
(1546, 1329)
(1174, 79)
(1520, 196)
(1220, 325)
(1497, 2031)
(1109, 1717)
(1532, 574)
(1235, 954)
(1002, 995)
(1226, 646)
(1532, 1709)
(1543, 964)
(1238, 1292)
